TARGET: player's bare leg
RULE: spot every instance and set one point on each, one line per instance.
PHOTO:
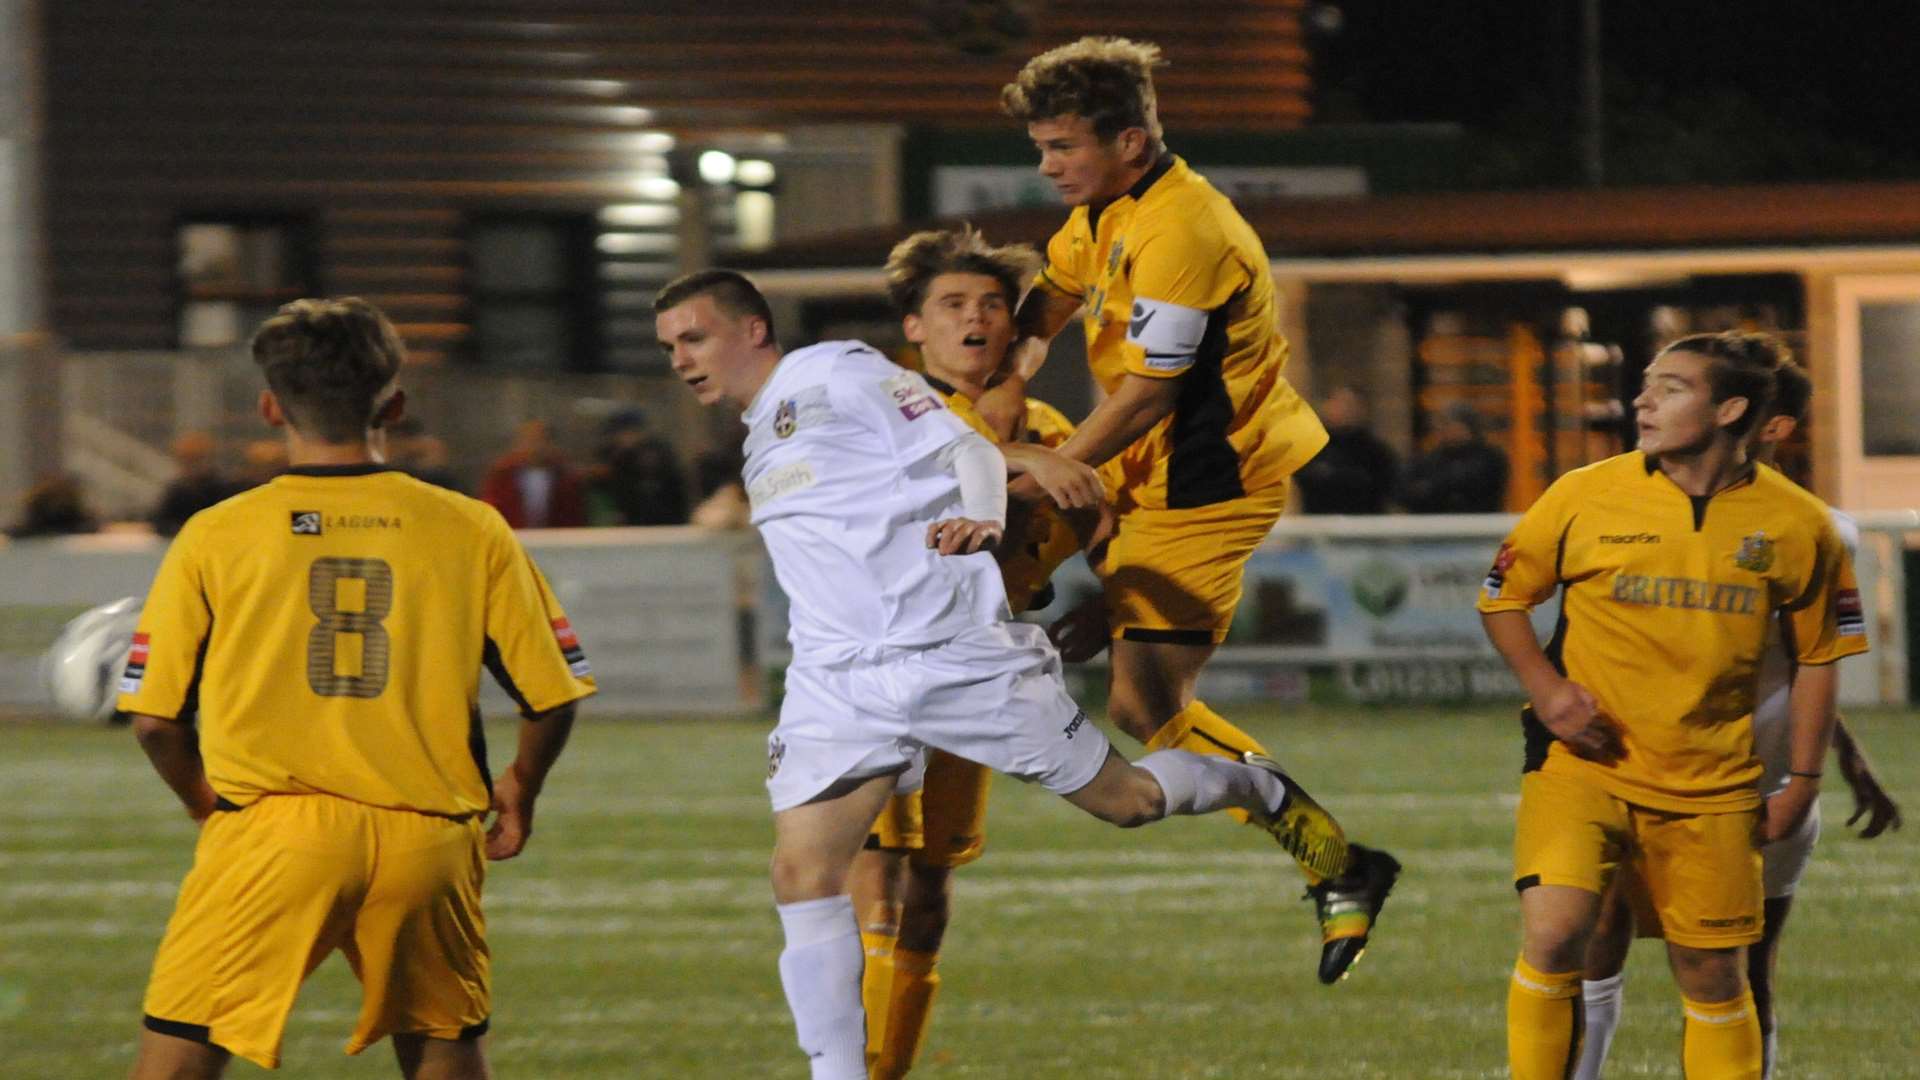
(1151, 696)
(814, 846)
(1544, 1013)
(168, 1057)
(1602, 985)
(1761, 956)
(423, 1057)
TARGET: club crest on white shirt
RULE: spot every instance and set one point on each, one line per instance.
(911, 395)
(784, 418)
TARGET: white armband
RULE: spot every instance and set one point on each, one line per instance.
(1170, 333)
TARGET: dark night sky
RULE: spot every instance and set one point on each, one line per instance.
(1737, 89)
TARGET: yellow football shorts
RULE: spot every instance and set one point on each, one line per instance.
(944, 824)
(1701, 872)
(1175, 575)
(279, 885)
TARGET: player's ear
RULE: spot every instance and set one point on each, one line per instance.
(915, 330)
(1777, 429)
(1729, 412)
(390, 410)
(270, 410)
(1132, 143)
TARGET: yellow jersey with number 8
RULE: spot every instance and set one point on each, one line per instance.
(328, 629)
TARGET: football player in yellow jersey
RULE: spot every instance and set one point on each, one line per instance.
(1197, 434)
(956, 297)
(1672, 561)
(305, 679)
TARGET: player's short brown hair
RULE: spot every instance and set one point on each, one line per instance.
(916, 261)
(731, 291)
(1107, 80)
(1739, 364)
(329, 363)
(1792, 392)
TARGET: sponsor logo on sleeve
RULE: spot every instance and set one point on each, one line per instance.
(911, 395)
(306, 523)
(570, 648)
(780, 482)
(1141, 317)
(136, 665)
(1497, 576)
(1849, 614)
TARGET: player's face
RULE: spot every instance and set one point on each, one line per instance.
(964, 327)
(1082, 168)
(709, 349)
(1675, 411)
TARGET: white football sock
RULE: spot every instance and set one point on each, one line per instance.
(1202, 783)
(820, 971)
(1602, 999)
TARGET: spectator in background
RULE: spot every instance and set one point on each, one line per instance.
(420, 455)
(1462, 474)
(1356, 471)
(56, 506)
(263, 459)
(637, 479)
(198, 485)
(531, 484)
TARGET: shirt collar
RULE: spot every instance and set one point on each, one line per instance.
(359, 469)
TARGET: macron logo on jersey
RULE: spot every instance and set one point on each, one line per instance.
(136, 669)
(306, 523)
(570, 648)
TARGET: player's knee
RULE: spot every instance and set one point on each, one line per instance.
(1708, 974)
(797, 878)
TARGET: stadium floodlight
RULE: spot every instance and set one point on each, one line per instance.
(717, 167)
(755, 172)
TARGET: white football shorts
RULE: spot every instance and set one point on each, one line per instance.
(1782, 861)
(992, 695)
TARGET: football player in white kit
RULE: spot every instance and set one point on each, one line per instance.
(877, 507)
(1625, 912)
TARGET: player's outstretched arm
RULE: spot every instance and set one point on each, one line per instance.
(175, 754)
(1568, 709)
(1870, 800)
(542, 738)
(982, 473)
(1072, 485)
(1129, 412)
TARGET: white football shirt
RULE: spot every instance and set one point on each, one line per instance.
(1772, 730)
(844, 477)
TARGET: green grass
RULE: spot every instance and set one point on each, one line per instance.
(636, 937)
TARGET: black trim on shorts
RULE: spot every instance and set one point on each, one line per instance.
(225, 805)
(1525, 883)
(1148, 636)
(1538, 740)
(177, 1029)
(474, 1031)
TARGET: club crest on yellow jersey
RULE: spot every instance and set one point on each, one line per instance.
(1755, 554)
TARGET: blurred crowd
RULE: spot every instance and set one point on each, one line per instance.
(634, 476)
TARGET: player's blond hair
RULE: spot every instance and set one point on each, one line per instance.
(916, 261)
(1107, 80)
(328, 362)
(1739, 364)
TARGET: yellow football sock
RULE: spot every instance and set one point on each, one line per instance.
(915, 983)
(1545, 1020)
(876, 983)
(1722, 1040)
(1199, 730)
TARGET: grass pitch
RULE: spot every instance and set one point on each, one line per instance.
(636, 937)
